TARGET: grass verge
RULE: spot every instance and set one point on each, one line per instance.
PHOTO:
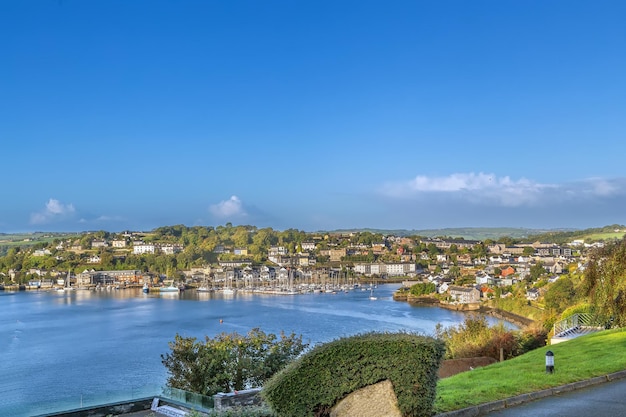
(575, 360)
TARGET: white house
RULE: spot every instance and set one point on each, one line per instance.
(141, 248)
(308, 246)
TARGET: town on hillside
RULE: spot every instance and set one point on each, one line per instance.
(244, 258)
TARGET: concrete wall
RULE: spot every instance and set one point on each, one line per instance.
(223, 401)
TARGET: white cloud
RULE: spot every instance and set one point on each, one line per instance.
(488, 189)
(54, 211)
(603, 188)
(233, 207)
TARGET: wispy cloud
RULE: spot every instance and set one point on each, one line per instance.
(53, 211)
(488, 189)
(102, 219)
(233, 207)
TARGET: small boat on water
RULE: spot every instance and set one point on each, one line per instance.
(372, 296)
(228, 291)
(145, 288)
(170, 288)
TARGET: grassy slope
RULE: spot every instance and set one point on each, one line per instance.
(582, 358)
(604, 236)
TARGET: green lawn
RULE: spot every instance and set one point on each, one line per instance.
(579, 359)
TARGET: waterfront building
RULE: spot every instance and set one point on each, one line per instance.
(92, 277)
(389, 268)
(464, 295)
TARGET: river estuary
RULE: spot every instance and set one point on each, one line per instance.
(65, 350)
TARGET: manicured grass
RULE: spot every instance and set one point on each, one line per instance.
(575, 360)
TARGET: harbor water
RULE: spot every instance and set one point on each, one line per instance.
(72, 349)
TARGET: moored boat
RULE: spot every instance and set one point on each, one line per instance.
(170, 288)
(228, 291)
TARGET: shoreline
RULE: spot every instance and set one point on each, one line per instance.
(513, 318)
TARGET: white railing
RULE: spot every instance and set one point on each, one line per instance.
(575, 323)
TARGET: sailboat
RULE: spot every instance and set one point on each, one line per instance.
(229, 290)
(66, 284)
(372, 296)
(204, 287)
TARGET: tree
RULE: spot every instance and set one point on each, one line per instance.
(605, 283)
(229, 361)
(454, 272)
(479, 250)
(241, 237)
(432, 249)
(536, 271)
(560, 295)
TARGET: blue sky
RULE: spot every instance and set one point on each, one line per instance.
(315, 115)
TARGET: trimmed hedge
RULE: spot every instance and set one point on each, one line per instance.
(316, 381)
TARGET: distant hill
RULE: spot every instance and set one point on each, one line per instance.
(518, 233)
(468, 233)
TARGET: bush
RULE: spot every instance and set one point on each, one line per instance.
(228, 361)
(316, 381)
(423, 289)
(475, 338)
(531, 338)
(576, 309)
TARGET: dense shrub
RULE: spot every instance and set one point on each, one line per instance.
(474, 338)
(423, 288)
(316, 381)
(531, 338)
(576, 309)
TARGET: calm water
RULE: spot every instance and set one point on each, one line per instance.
(66, 350)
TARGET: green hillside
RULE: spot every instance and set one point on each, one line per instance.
(559, 236)
(575, 360)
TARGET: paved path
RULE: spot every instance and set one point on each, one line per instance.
(607, 399)
(600, 396)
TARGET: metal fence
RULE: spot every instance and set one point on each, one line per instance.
(575, 324)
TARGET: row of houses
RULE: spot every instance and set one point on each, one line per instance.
(139, 248)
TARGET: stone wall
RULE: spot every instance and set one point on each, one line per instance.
(223, 401)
